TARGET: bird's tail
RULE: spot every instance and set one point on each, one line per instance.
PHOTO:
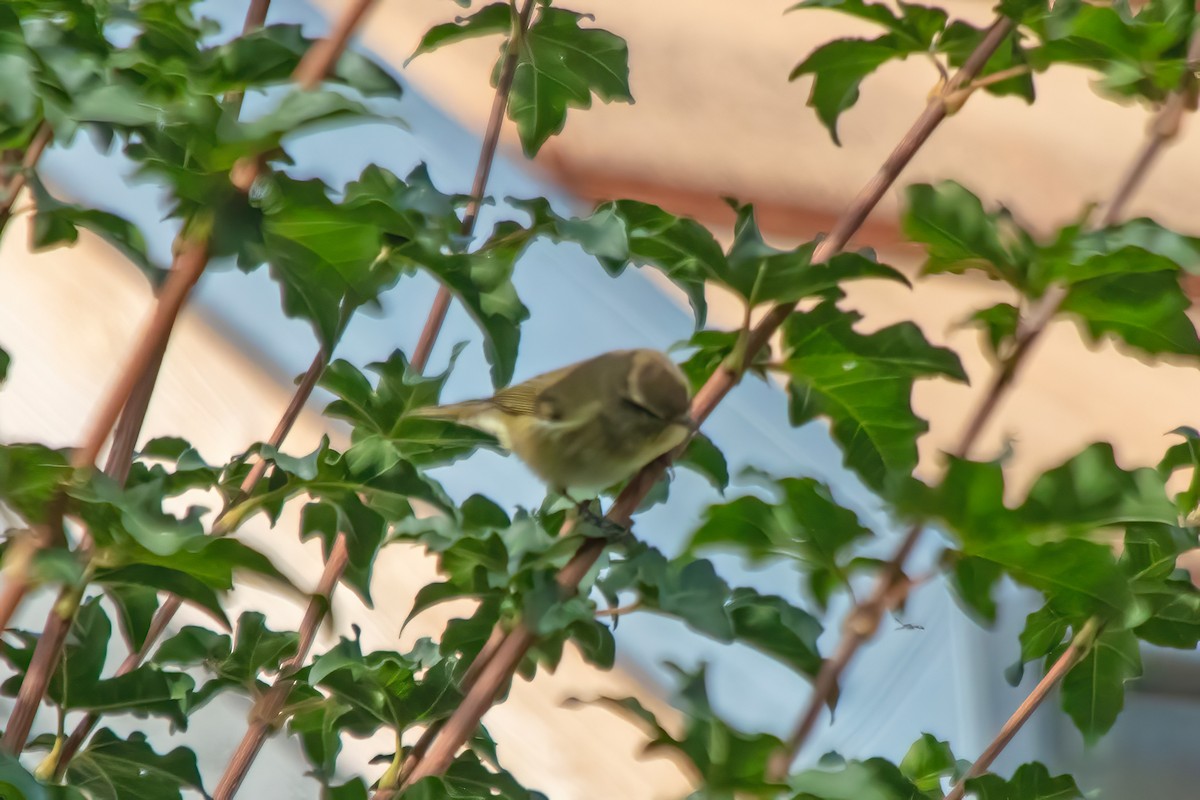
(455, 412)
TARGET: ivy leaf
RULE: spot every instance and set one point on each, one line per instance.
(30, 475)
(863, 384)
(560, 66)
(960, 235)
(270, 54)
(57, 223)
(960, 39)
(491, 19)
(1030, 782)
(482, 281)
(240, 663)
(841, 65)
(1146, 311)
(927, 762)
(999, 323)
(704, 458)
(1185, 454)
(1138, 55)
(1093, 692)
(691, 591)
(324, 255)
(728, 761)
(807, 526)
(384, 432)
(629, 231)
(112, 768)
(468, 778)
(760, 273)
(1044, 543)
(874, 778)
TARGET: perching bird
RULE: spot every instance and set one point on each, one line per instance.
(588, 425)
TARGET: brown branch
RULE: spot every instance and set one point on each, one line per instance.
(189, 263)
(33, 153)
(1080, 644)
(268, 707)
(862, 622)
(33, 686)
(465, 719)
(483, 169)
(162, 618)
(190, 260)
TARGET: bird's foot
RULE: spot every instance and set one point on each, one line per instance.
(609, 529)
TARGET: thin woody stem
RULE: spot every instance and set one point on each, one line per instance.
(465, 719)
(190, 260)
(1163, 129)
(1080, 644)
(33, 153)
(483, 169)
(268, 707)
(864, 619)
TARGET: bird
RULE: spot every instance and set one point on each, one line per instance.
(587, 426)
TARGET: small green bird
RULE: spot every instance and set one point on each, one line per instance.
(589, 425)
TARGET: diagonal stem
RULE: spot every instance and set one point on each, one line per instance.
(1080, 644)
(268, 707)
(499, 670)
(864, 619)
(483, 169)
(190, 260)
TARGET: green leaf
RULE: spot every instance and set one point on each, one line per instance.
(927, 762)
(872, 779)
(1147, 311)
(1137, 55)
(760, 273)
(999, 323)
(808, 526)
(482, 281)
(270, 54)
(385, 686)
(691, 591)
(838, 68)
(30, 476)
(1186, 454)
(325, 256)
(1093, 692)
(1044, 543)
(863, 385)
(491, 19)
(112, 768)
(469, 779)
(1030, 782)
(728, 761)
(841, 65)
(704, 458)
(17, 782)
(384, 432)
(561, 66)
(972, 580)
(56, 223)
(960, 235)
(960, 39)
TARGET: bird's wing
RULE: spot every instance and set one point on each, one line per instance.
(522, 399)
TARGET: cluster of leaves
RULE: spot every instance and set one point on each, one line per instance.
(559, 65)
(166, 94)
(1138, 55)
(732, 763)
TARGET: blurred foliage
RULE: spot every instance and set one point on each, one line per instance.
(159, 82)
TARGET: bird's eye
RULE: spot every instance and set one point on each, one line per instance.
(636, 406)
